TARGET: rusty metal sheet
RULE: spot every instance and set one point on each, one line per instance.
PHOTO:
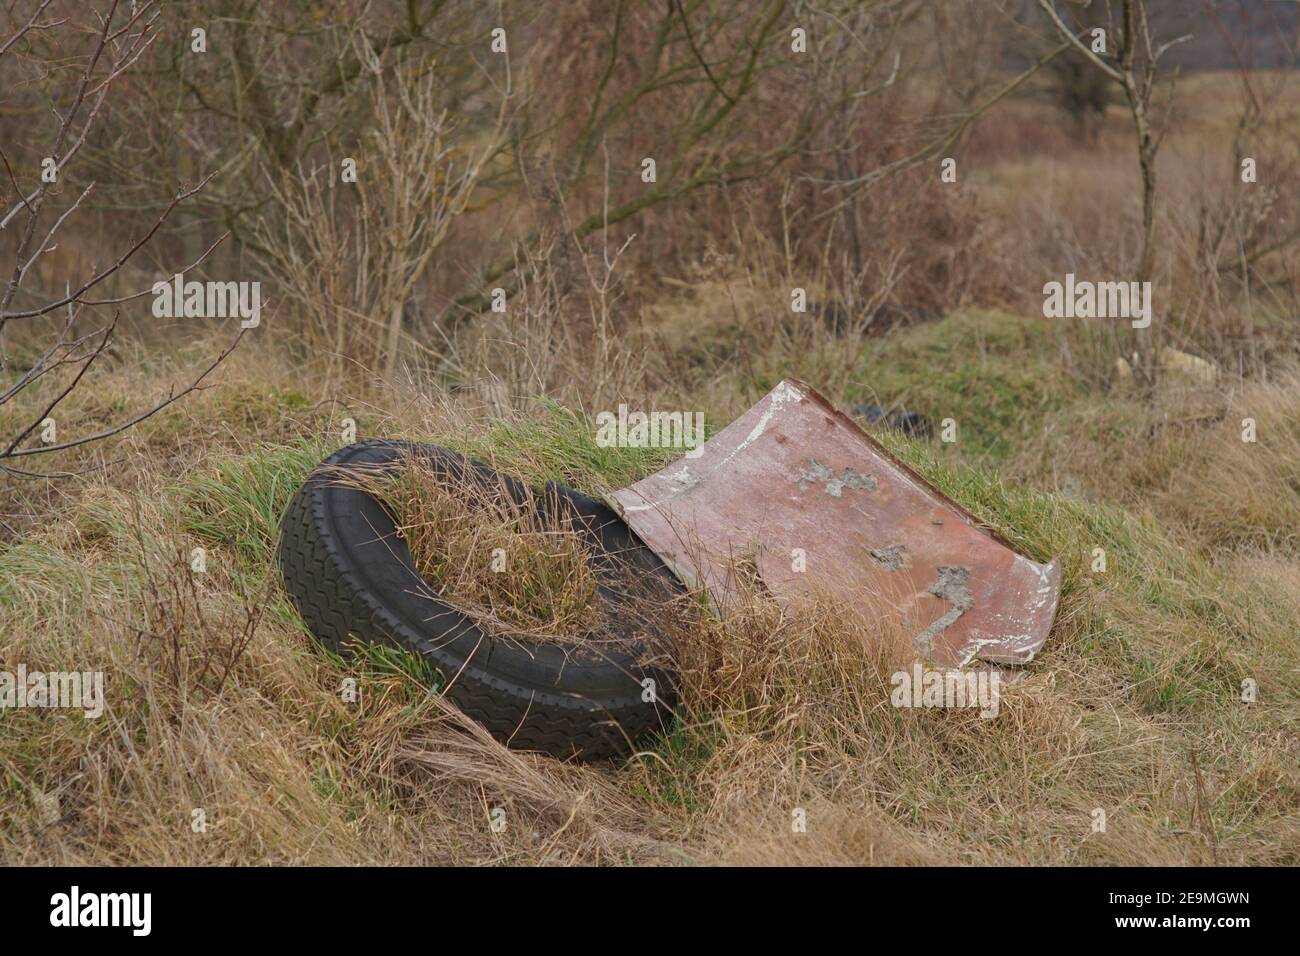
(795, 473)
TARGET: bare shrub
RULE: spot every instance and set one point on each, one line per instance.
(191, 653)
(349, 256)
(68, 351)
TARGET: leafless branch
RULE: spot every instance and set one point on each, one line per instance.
(143, 292)
(1064, 30)
(31, 25)
(119, 43)
(67, 390)
(171, 399)
(100, 277)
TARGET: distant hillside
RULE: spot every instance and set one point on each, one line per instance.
(1265, 34)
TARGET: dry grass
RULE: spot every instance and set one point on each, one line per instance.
(778, 712)
(1184, 453)
(219, 701)
(508, 564)
(1055, 201)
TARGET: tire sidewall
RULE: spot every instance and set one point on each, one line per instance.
(372, 556)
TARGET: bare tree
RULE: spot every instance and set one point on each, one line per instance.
(721, 66)
(119, 41)
(350, 255)
(718, 92)
(1134, 66)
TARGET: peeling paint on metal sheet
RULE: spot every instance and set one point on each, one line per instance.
(893, 557)
(950, 586)
(814, 472)
(777, 476)
(780, 396)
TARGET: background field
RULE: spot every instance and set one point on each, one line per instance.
(480, 178)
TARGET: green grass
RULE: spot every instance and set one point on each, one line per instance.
(1151, 583)
(1145, 661)
(994, 374)
(559, 445)
(239, 501)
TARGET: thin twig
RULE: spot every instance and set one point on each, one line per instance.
(94, 281)
(171, 399)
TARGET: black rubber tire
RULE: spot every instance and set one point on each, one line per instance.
(351, 576)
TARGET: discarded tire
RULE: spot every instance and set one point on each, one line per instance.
(351, 576)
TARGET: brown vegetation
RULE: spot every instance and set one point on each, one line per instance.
(774, 171)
